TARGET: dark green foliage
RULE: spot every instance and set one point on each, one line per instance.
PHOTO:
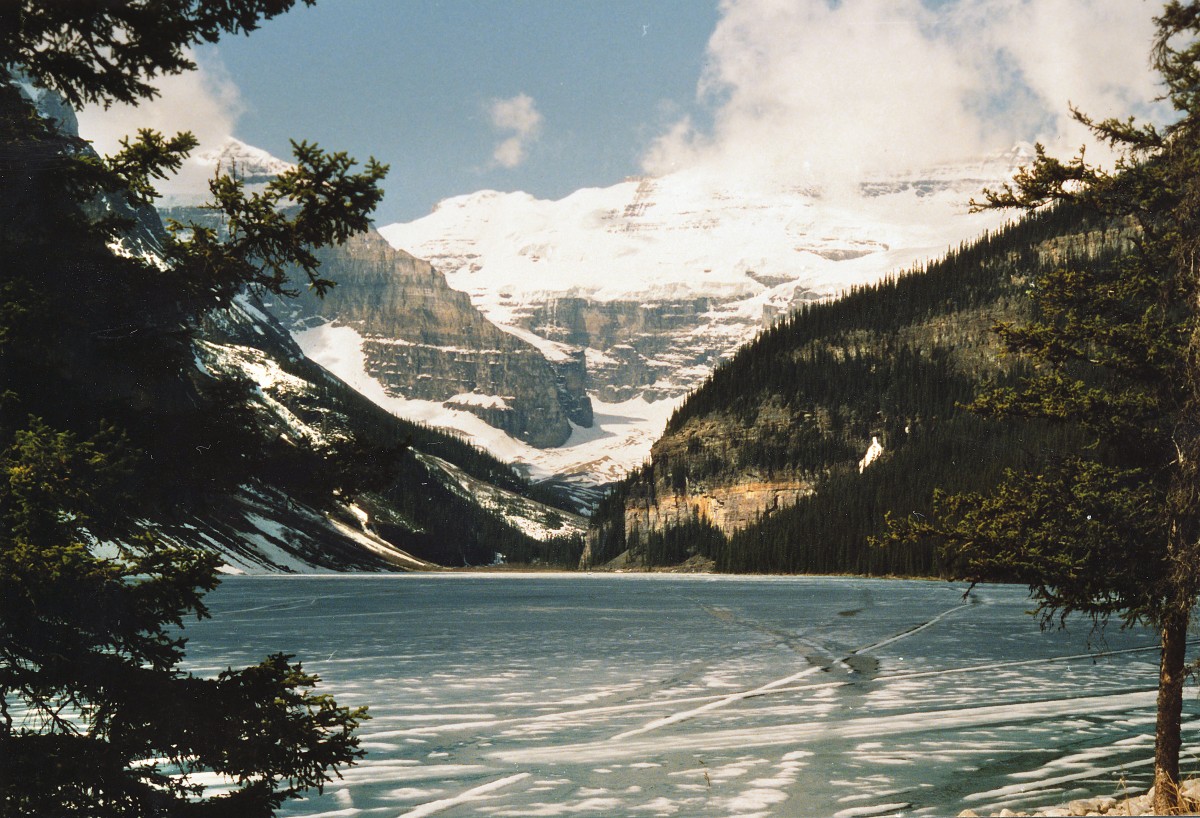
(830, 532)
(1064, 531)
(898, 361)
(1111, 352)
(561, 551)
(985, 275)
(109, 429)
(695, 538)
(264, 236)
(151, 156)
(608, 520)
(106, 423)
(107, 50)
(453, 532)
(96, 717)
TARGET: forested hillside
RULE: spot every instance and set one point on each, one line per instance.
(790, 455)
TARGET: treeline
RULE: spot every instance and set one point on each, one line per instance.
(429, 520)
(974, 276)
(830, 531)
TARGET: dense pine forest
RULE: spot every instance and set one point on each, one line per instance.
(897, 361)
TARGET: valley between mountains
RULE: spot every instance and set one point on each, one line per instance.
(659, 373)
(735, 487)
(678, 360)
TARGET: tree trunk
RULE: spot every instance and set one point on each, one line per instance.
(1167, 739)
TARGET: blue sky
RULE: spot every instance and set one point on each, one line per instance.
(548, 96)
(412, 84)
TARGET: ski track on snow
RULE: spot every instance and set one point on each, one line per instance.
(441, 805)
(808, 732)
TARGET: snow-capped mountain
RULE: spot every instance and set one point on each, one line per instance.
(682, 237)
(436, 500)
(658, 279)
(252, 165)
(189, 187)
(649, 283)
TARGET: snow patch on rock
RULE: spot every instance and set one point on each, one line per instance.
(873, 453)
(617, 442)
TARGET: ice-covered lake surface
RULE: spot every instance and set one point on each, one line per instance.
(648, 695)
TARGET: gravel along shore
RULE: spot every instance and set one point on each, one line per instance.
(1107, 805)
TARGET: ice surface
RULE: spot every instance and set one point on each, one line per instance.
(558, 695)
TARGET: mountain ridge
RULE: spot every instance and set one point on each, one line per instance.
(231, 440)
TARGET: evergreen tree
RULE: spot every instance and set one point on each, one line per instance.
(109, 51)
(95, 717)
(898, 360)
(98, 408)
(1115, 529)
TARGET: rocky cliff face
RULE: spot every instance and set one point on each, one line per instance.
(659, 279)
(798, 449)
(426, 341)
(423, 340)
(638, 348)
(730, 506)
(692, 477)
(399, 526)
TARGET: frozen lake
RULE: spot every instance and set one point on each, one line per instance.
(648, 695)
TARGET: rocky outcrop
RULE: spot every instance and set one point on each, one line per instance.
(729, 506)
(657, 349)
(691, 479)
(571, 378)
(661, 502)
(424, 340)
(660, 279)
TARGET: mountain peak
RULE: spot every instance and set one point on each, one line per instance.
(246, 161)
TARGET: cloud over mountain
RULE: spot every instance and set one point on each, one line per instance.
(814, 91)
(519, 117)
(206, 102)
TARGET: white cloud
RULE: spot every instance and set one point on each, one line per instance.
(206, 102)
(1090, 53)
(510, 152)
(814, 91)
(518, 116)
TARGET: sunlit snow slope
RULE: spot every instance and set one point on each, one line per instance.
(618, 440)
(679, 237)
